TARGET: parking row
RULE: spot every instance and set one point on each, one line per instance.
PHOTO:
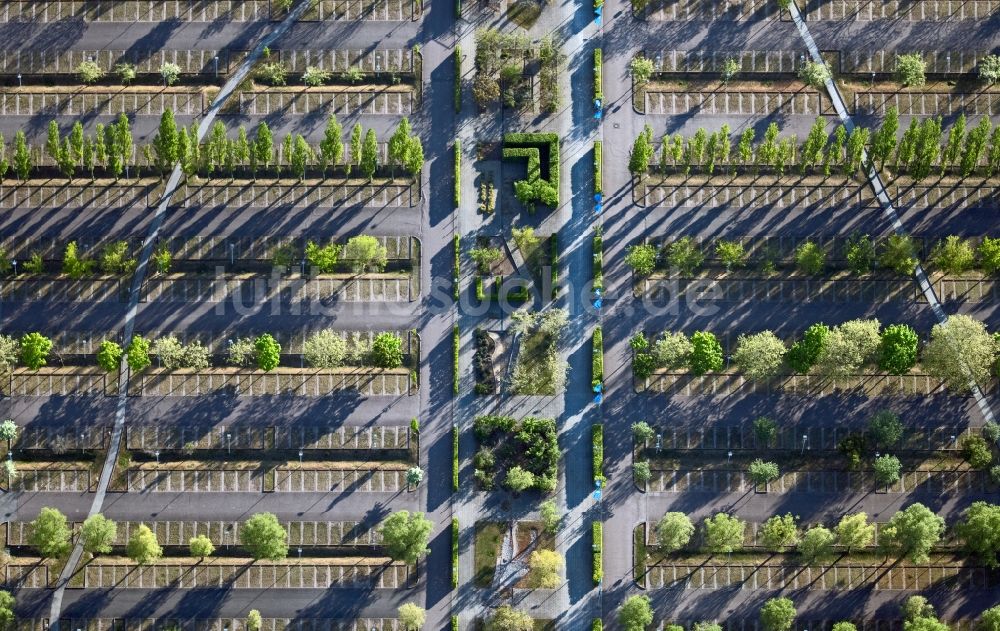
(79, 103)
(377, 574)
(928, 103)
(264, 289)
(798, 290)
(193, 437)
(366, 382)
(358, 480)
(196, 11)
(924, 10)
(219, 624)
(816, 482)
(708, 10)
(874, 385)
(374, 101)
(840, 576)
(734, 102)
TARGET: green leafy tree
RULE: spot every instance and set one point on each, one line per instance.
(953, 148)
(399, 143)
(636, 613)
(331, 148)
(387, 350)
(856, 143)
(263, 149)
(810, 257)
(356, 137)
(89, 72)
(989, 620)
(723, 533)
(98, 534)
(7, 616)
(674, 531)
(899, 253)
(732, 253)
(814, 75)
(268, 352)
(762, 472)
(887, 470)
(35, 349)
(760, 355)
(142, 546)
(898, 353)
(912, 533)
(405, 535)
(860, 253)
(49, 534)
(848, 347)
(8, 432)
(254, 620)
(706, 353)
(989, 255)
(989, 70)
(137, 354)
(910, 70)
(544, 567)
(854, 532)
(885, 429)
(642, 433)
(641, 258)
(322, 259)
(684, 255)
(411, 616)
(506, 618)
(816, 544)
(975, 146)
(779, 532)
(109, 355)
(777, 614)
(812, 150)
(979, 531)
(765, 430)
(642, 152)
(315, 76)
(22, 157)
(264, 537)
(641, 471)
(917, 607)
(642, 69)
(803, 355)
(519, 479)
(550, 516)
(884, 139)
(953, 255)
(844, 626)
(324, 349)
(976, 452)
(369, 155)
(365, 253)
(730, 67)
(302, 155)
(960, 350)
(200, 547)
(165, 143)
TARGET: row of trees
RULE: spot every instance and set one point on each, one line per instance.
(916, 152)
(860, 255)
(404, 535)
(111, 150)
(959, 352)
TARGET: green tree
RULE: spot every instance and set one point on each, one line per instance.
(550, 516)
(22, 157)
(137, 354)
(761, 472)
(641, 258)
(109, 355)
(777, 614)
(411, 616)
(959, 350)
(264, 537)
(855, 149)
(803, 355)
(636, 613)
(641, 471)
(812, 150)
(324, 349)
(706, 353)
(989, 72)
(165, 143)
(302, 154)
(369, 155)
(989, 255)
(674, 531)
(898, 353)
(979, 530)
(765, 430)
(917, 607)
(989, 620)
(887, 470)
(200, 547)
(730, 68)
(268, 352)
(848, 347)
(506, 618)
(519, 479)
(365, 253)
(35, 349)
(405, 535)
(356, 136)
(322, 259)
(810, 257)
(760, 355)
(485, 258)
(814, 75)
(263, 148)
(884, 139)
(910, 70)
(899, 253)
(953, 255)
(49, 534)
(684, 255)
(885, 429)
(844, 626)
(953, 148)
(779, 532)
(642, 152)
(399, 144)
(8, 431)
(7, 616)
(732, 253)
(314, 76)
(142, 546)
(975, 146)
(854, 532)
(976, 452)
(254, 620)
(860, 253)
(414, 161)
(89, 72)
(912, 533)
(723, 533)
(543, 569)
(331, 148)
(642, 433)
(642, 69)
(98, 534)
(816, 544)
(387, 350)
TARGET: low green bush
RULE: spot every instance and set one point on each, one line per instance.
(454, 552)
(457, 271)
(597, 625)
(457, 57)
(454, 619)
(598, 532)
(598, 92)
(598, 177)
(480, 294)
(458, 173)
(597, 358)
(597, 441)
(455, 343)
(454, 458)
(554, 249)
(598, 261)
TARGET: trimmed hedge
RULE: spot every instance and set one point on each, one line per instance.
(458, 268)
(598, 177)
(454, 552)
(554, 249)
(597, 625)
(597, 530)
(457, 57)
(454, 458)
(480, 294)
(455, 343)
(597, 358)
(598, 92)
(514, 143)
(598, 261)
(454, 619)
(458, 173)
(597, 449)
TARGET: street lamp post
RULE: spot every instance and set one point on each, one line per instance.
(229, 445)
(216, 60)
(300, 456)
(805, 438)
(19, 84)
(729, 457)
(14, 263)
(157, 454)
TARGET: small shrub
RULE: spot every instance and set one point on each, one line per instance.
(268, 352)
(810, 258)
(109, 355)
(89, 72)
(387, 350)
(953, 255)
(814, 75)
(314, 76)
(170, 72)
(910, 70)
(642, 69)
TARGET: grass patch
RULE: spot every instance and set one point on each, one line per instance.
(454, 552)
(489, 537)
(524, 13)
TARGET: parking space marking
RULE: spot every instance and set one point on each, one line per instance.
(709, 10)
(796, 290)
(726, 102)
(924, 10)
